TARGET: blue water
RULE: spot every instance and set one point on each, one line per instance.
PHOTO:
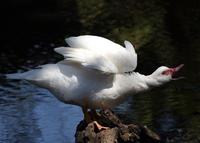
(32, 115)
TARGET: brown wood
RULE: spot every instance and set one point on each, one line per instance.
(116, 133)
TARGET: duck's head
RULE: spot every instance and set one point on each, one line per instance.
(164, 74)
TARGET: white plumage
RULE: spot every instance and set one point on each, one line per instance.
(94, 73)
(99, 53)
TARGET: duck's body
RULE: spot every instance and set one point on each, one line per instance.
(75, 84)
(96, 73)
(93, 89)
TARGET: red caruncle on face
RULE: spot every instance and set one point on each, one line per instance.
(168, 71)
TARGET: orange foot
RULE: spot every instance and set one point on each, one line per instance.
(100, 127)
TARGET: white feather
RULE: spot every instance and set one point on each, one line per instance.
(87, 58)
(80, 85)
(100, 53)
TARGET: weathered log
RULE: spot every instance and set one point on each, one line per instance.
(116, 133)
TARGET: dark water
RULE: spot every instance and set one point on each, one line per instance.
(32, 115)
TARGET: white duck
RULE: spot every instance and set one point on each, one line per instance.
(95, 74)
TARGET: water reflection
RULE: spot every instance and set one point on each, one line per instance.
(172, 110)
(30, 114)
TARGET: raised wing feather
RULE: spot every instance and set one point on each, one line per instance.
(87, 58)
(100, 53)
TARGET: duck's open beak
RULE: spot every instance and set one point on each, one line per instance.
(175, 71)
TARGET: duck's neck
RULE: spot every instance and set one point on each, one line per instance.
(150, 80)
(140, 82)
(134, 83)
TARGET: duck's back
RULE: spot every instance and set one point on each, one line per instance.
(75, 83)
(70, 83)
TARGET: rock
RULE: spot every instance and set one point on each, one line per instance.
(117, 132)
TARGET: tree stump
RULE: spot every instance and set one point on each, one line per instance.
(116, 133)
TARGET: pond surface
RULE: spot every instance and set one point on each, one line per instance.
(32, 115)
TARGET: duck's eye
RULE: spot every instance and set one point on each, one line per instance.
(167, 72)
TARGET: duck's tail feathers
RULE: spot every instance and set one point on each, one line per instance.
(40, 76)
(30, 75)
(41, 73)
(16, 76)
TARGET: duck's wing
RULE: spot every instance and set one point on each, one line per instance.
(100, 53)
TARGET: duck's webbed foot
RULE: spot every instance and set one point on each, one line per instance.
(100, 127)
(93, 116)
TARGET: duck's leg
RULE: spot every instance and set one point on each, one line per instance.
(87, 117)
(95, 116)
(92, 116)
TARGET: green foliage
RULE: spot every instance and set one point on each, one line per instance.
(142, 23)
